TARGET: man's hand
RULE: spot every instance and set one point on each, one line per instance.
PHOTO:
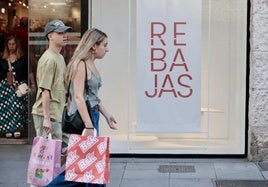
(47, 126)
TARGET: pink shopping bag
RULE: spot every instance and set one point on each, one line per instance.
(45, 161)
(88, 159)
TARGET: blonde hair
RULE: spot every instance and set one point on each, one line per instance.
(84, 50)
(19, 52)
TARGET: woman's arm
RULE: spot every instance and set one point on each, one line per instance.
(79, 85)
(109, 119)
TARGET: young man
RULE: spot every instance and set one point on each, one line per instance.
(50, 99)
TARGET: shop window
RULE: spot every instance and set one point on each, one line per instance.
(43, 11)
(222, 65)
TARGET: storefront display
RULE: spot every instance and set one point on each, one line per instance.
(222, 67)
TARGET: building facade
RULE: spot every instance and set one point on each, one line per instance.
(228, 116)
(258, 82)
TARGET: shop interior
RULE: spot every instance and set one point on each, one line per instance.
(11, 12)
(38, 13)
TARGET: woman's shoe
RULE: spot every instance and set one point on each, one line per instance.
(17, 134)
(8, 135)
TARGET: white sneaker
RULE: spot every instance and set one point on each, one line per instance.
(17, 134)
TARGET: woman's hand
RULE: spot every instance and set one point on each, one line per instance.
(88, 132)
(111, 122)
(109, 118)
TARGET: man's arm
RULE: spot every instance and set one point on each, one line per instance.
(46, 106)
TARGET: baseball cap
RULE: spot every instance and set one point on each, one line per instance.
(55, 26)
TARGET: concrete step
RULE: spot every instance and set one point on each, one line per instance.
(12, 141)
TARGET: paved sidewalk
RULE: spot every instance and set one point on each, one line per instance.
(137, 172)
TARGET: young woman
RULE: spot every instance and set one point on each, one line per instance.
(92, 46)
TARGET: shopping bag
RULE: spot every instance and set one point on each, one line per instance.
(88, 159)
(45, 161)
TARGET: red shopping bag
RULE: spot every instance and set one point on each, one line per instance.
(88, 159)
(45, 161)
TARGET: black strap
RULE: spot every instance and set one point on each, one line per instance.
(86, 85)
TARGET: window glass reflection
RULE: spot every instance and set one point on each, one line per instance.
(40, 12)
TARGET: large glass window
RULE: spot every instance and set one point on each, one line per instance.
(43, 11)
(223, 80)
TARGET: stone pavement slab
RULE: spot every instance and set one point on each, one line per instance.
(241, 183)
(202, 171)
(240, 171)
(191, 183)
(14, 163)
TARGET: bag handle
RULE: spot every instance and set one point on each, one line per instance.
(9, 65)
(49, 136)
(10, 70)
